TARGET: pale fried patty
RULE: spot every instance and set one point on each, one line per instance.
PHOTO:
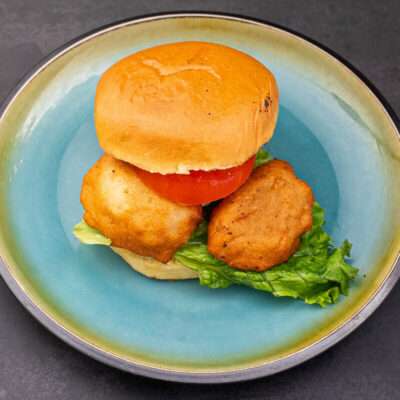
(124, 209)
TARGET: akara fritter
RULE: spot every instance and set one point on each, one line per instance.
(122, 208)
(260, 225)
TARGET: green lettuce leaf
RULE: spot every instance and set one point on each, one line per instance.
(317, 273)
(262, 157)
(88, 235)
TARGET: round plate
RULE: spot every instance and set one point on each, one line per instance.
(333, 129)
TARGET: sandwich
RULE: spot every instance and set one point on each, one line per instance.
(185, 188)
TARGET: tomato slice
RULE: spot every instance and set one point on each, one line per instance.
(198, 187)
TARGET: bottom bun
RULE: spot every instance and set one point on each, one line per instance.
(152, 268)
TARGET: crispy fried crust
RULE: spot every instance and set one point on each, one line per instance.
(259, 226)
(121, 207)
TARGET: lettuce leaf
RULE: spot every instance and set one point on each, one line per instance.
(262, 157)
(317, 273)
(88, 235)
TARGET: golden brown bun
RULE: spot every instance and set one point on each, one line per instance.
(152, 268)
(185, 106)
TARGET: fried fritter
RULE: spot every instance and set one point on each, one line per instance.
(260, 225)
(124, 209)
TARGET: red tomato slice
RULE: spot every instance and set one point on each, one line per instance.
(198, 187)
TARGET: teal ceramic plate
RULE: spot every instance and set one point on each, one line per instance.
(332, 128)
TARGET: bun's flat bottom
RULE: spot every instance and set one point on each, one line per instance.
(152, 268)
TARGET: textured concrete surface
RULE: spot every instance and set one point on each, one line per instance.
(36, 365)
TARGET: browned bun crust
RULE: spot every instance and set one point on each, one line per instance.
(185, 106)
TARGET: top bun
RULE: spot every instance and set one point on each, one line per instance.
(185, 106)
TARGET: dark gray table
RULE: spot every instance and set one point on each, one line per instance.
(36, 365)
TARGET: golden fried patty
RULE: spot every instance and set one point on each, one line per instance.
(259, 226)
(121, 207)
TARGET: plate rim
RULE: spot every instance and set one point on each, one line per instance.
(240, 374)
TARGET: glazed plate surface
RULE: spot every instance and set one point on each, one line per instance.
(332, 128)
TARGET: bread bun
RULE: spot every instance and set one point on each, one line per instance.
(185, 106)
(154, 269)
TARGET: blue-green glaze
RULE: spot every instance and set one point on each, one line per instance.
(330, 128)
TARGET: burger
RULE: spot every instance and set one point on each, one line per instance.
(185, 188)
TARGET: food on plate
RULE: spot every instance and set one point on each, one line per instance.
(260, 225)
(316, 273)
(186, 190)
(185, 107)
(132, 216)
